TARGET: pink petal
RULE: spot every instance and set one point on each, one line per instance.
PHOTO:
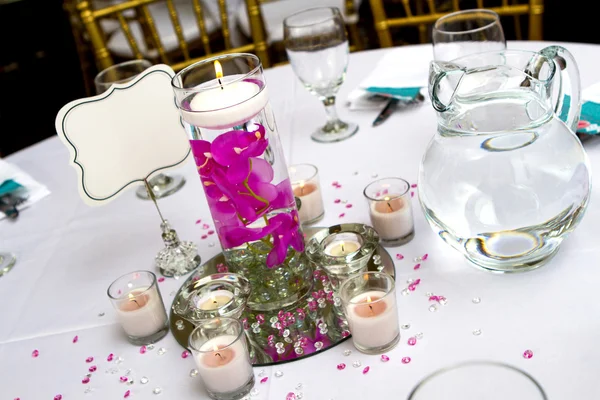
(35, 353)
(143, 350)
(85, 380)
(205, 226)
(110, 357)
(414, 185)
(161, 279)
(412, 341)
(412, 194)
(123, 379)
(366, 370)
(425, 257)
(127, 393)
(264, 380)
(211, 232)
(399, 256)
(348, 205)
(416, 267)
(412, 287)
(58, 397)
(204, 236)
(527, 354)
(198, 221)
(290, 396)
(342, 215)
(334, 183)
(92, 368)
(405, 360)
(337, 201)
(89, 359)
(341, 366)
(76, 339)
(185, 354)
(384, 358)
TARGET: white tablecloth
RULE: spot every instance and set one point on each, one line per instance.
(69, 253)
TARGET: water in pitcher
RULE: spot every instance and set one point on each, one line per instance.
(504, 179)
(322, 68)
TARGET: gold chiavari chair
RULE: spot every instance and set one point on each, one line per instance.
(422, 19)
(91, 17)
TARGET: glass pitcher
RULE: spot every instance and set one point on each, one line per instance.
(505, 179)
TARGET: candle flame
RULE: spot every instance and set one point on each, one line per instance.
(215, 347)
(302, 192)
(387, 198)
(369, 299)
(218, 69)
(131, 297)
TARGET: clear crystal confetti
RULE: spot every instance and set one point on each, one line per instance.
(172, 293)
(347, 352)
(273, 320)
(476, 300)
(419, 335)
(281, 351)
(298, 386)
(299, 395)
(355, 173)
(405, 326)
(88, 390)
(261, 373)
(278, 374)
(374, 176)
(193, 372)
(130, 382)
(433, 308)
(144, 380)
(179, 325)
(380, 268)
(128, 372)
(161, 351)
(101, 314)
(288, 340)
(417, 259)
(442, 300)
(157, 390)
(299, 350)
(405, 360)
(113, 370)
(119, 360)
(429, 294)
(476, 332)
(279, 345)
(319, 345)
(356, 364)
(286, 333)
(528, 354)
(211, 244)
(150, 347)
(254, 392)
(405, 292)
(88, 375)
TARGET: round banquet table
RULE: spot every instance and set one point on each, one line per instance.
(68, 254)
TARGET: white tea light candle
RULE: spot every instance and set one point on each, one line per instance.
(215, 300)
(306, 187)
(342, 244)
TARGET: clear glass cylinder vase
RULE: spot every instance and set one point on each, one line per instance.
(224, 106)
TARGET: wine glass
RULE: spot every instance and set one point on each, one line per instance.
(467, 32)
(7, 262)
(317, 47)
(162, 185)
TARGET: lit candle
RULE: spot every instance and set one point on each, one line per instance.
(342, 244)
(373, 319)
(305, 183)
(215, 300)
(392, 217)
(225, 101)
(223, 364)
(141, 313)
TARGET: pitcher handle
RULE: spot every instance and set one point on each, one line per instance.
(568, 104)
(441, 98)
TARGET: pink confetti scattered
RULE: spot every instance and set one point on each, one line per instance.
(412, 194)
(384, 358)
(143, 350)
(222, 268)
(405, 360)
(75, 339)
(337, 201)
(205, 226)
(366, 370)
(417, 282)
(335, 183)
(264, 380)
(527, 354)
(211, 232)
(425, 256)
(123, 379)
(342, 215)
(412, 287)
(85, 380)
(348, 205)
(341, 366)
(416, 267)
(127, 393)
(414, 185)
(89, 359)
(58, 397)
(92, 368)
(198, 221)
(399, 256)
(345, 334)
(35, 353)
(110, 357)
(412, 341)
(17, 398)
(204, 236)
(385, 191)
(161, 279)
(290, 396)
(185, 354)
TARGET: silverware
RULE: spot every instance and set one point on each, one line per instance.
(392, 105)
(9, 203)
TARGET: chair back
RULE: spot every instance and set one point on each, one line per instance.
(423, 15)
(125, 11)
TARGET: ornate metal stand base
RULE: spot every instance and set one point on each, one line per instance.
(315, 323)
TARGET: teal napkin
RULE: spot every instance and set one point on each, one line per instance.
(9, 186)
(407, 92)
(589, 121)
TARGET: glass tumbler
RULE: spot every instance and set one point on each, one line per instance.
(162, 184)
(221, 354)
(307, 188)
(370, 303)
(317, 47)
(476, 380)
(467, 32)
(139, 306)
(390, 209)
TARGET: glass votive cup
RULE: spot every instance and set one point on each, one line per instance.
(221, 354)
(307, 188)
(369, 301)
(139, 306)
(390, 209)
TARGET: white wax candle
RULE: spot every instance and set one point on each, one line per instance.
(232, 105)
(226, 371)
(373, 325)
(214, 300)
(342, 248)
(392, 219)
(311, 206)
(142, 313)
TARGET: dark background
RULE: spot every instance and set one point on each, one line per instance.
(40, 70)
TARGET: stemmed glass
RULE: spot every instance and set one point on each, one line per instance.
(467, 32)
(317, 47)
(162, 184)
(7, 262)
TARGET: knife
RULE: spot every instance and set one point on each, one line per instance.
(386, 112)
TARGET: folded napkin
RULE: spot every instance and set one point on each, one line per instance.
(13, 180)
(589, 121)
(395, 75)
